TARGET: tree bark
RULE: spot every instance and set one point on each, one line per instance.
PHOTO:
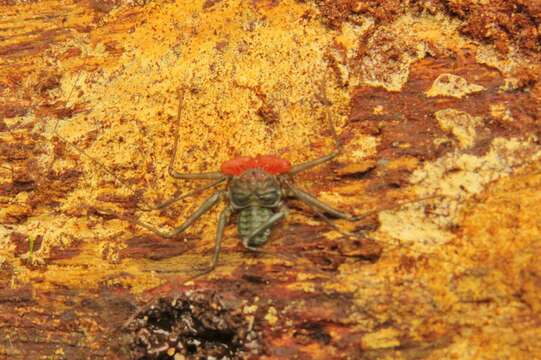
(436, 105)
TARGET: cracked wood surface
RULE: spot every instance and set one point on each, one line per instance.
(428, 97)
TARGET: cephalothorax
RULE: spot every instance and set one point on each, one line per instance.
(254, 194)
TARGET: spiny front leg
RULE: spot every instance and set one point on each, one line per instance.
(176, 198)
(206, 206)
(318, 204)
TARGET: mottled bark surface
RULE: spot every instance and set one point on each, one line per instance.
(428, 98)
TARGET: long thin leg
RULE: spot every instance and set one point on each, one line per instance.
(206, 206)
(172, 172)
(282, 213)
(146, 207)
(174, 199)
(396, 206)
(310, 200)
(311, 163)
(55, 127)
(318, 204)
(331, 224)
(69, 97)
(223, 219)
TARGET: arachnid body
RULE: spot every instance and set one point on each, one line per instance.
(256, 189)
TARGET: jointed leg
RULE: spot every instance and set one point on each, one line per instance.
(332, 224)
(311, 163)
(282, 213)
(174, 199)
(206, 206)
(146, 207)
(223, 219)
(172, 172)
(396, 206)
(318, 204)
(312, 201)
(55, 127)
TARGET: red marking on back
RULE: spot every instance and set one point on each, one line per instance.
(238, 165)
(269, 163)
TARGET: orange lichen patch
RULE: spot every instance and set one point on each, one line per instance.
(501, 112)
(493, 267)
(356, 168)
(35, 29)
(14, 213)
(382, 339)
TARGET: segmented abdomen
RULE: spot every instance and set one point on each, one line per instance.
(250, 219)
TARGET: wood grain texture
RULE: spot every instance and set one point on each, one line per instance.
(428, 98)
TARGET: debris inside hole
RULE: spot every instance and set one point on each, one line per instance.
(193, 325)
